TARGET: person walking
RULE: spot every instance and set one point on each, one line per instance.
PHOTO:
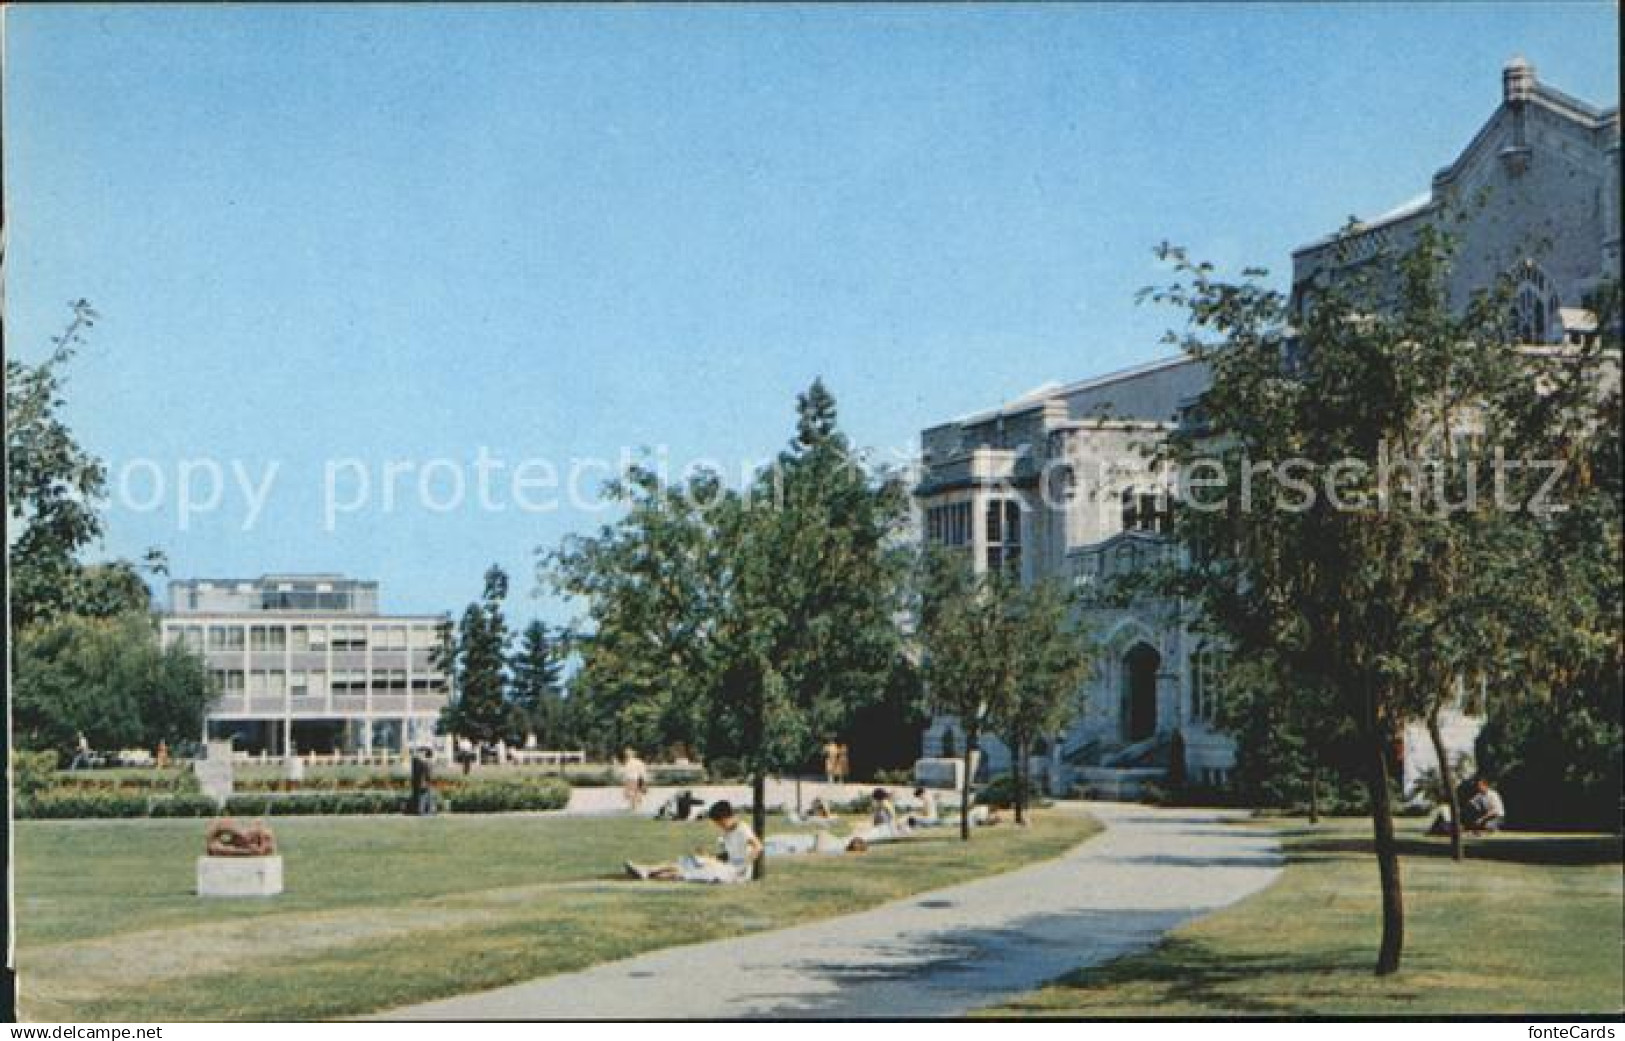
(421, 803)
(634, 779)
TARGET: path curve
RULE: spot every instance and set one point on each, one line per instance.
(936, 954)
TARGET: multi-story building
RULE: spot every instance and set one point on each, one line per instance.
(308, 664)
(1061, 484)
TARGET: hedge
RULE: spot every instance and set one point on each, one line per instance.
(547, 793)
(314, 804)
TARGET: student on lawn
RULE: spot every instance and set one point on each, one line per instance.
(1482, 812)
(925, 816)
(740, 848)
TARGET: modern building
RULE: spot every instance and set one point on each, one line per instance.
(307, 663)
(1060, 483)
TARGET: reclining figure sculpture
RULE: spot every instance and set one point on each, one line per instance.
(226, 839)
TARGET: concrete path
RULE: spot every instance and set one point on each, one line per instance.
(935, 954)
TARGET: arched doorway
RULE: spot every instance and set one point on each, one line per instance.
(1140, 667)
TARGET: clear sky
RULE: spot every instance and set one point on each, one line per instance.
(403, 233)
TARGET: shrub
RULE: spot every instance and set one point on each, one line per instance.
(182, 806)
(544, 793)
(724, 769)
(1000, 793)
(70, 805)
(671, 774)
(33, 771)
(605, 778)
(304, 804)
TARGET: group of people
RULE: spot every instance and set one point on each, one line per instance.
(739, 847)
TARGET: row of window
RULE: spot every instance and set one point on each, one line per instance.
(302, 638)
(303, 683)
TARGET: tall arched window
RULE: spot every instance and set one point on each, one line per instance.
(1536, 305)
(1207, 683)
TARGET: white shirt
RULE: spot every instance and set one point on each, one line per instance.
(736, 843)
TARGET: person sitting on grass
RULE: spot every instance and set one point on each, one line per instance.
(1485, 811)
(925, 814)
(817, 816)
(740, 848)
(885, 824)
(684, 806)
(1481, 813)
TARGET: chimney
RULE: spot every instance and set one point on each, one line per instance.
(1517, 81)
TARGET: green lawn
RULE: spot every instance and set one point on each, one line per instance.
(387, 911)
(1529, 924)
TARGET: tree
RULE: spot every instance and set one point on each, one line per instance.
(53, 485)
(653, 584)
(820, 580)
(475, 656)
(965, 636)
(536, 692)
(747, 626)
(109, 679)
(1050, 660)
(1344, 590)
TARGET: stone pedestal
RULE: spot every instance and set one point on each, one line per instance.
(239, 876)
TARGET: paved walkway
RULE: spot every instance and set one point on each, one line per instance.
(935, 954)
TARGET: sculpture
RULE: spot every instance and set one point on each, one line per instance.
(225, 838)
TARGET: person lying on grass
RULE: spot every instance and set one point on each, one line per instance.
(821, 842)
(740, 848)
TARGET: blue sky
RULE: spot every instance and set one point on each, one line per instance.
(404, 233)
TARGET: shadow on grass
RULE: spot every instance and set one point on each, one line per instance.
(1508, 848)
(1185, 971)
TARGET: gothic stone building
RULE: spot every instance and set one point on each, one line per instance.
(1058, 482)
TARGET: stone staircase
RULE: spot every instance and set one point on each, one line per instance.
(1116, 773)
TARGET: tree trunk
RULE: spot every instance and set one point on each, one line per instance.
(758, 817)
(1314, 793)
(1382, 831)
(1020, 796)
(1447, 777)
(964, 787)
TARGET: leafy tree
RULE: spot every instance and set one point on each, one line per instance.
(53, 485)
(653, 585)
(110, 590)
(1353, 594)
(745, 626)
(966, 635)
(475, 656)
(1050, 660)
(108, 679)
(819, 587)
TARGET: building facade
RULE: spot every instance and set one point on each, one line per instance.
(307, 664)
(1061, 484)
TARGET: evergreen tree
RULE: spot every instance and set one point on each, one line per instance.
(536, 693)
(475, 656)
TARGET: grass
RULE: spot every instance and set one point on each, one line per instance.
(1528, 924)
(381, 912)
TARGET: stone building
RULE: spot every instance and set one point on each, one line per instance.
(1058, 483)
